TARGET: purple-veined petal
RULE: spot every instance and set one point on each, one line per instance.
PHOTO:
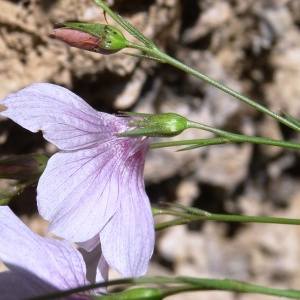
(95, 185)
(128, 238)
(66, 120)
(80, 191)
(57, 263)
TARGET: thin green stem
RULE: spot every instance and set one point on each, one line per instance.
(177, 222)
(186, 218)
(59, 295)
(125, 24)
(242, 139)
(238, 138)
(227, 137)
(185, 284)
(172, 61)
(151, 48)
(202, 142)
(238, 286)
(252, 219)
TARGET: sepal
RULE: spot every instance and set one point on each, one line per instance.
(100, 38)
(158, 125)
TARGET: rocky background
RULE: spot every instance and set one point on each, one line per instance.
(250, 46)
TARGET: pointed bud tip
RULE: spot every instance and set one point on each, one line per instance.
(160, 125)
(97, 38)
(77, 39)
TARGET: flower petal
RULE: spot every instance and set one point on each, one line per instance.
(128, 238)
(79, 191)
(55, 262)
(65, 119)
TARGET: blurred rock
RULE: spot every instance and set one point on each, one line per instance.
(251, 46)
(225, 165)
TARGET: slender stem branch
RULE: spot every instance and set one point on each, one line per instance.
(125, 24)
(187, 284)
(252, 219)
(188, 218)
(238, 138)
(61, 294)
(188, 214)
(238, 286)
(227, 137)
(172, 61)
(151, 48)
(201, 142)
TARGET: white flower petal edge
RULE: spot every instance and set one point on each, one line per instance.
(49, 264)
(78, 193)
(66, 120)
(128, 238)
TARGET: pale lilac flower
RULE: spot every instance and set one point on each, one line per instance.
(92, 190)
(38, 265)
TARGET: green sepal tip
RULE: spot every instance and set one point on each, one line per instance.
(156, 125)
(100, 38)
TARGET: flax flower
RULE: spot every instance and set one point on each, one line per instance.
(37, 265)
(92, 190)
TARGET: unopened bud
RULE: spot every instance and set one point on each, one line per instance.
(8, 193)
(104, 39)
(162, 125)
(23, 167)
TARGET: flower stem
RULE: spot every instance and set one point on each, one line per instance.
(199, 143)
(238, 138)
(188, 214)
(184, 284)
(151, 48)
(172, 61)
(226, 137)
(238, 286)
(187, 218)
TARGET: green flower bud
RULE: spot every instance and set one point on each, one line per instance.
(8, 193)
(136, 294)
(104, 39)
(162, 125)
(23, 167)
(27, 167)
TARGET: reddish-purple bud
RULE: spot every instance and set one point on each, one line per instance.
(77, 39)
(98, 38)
